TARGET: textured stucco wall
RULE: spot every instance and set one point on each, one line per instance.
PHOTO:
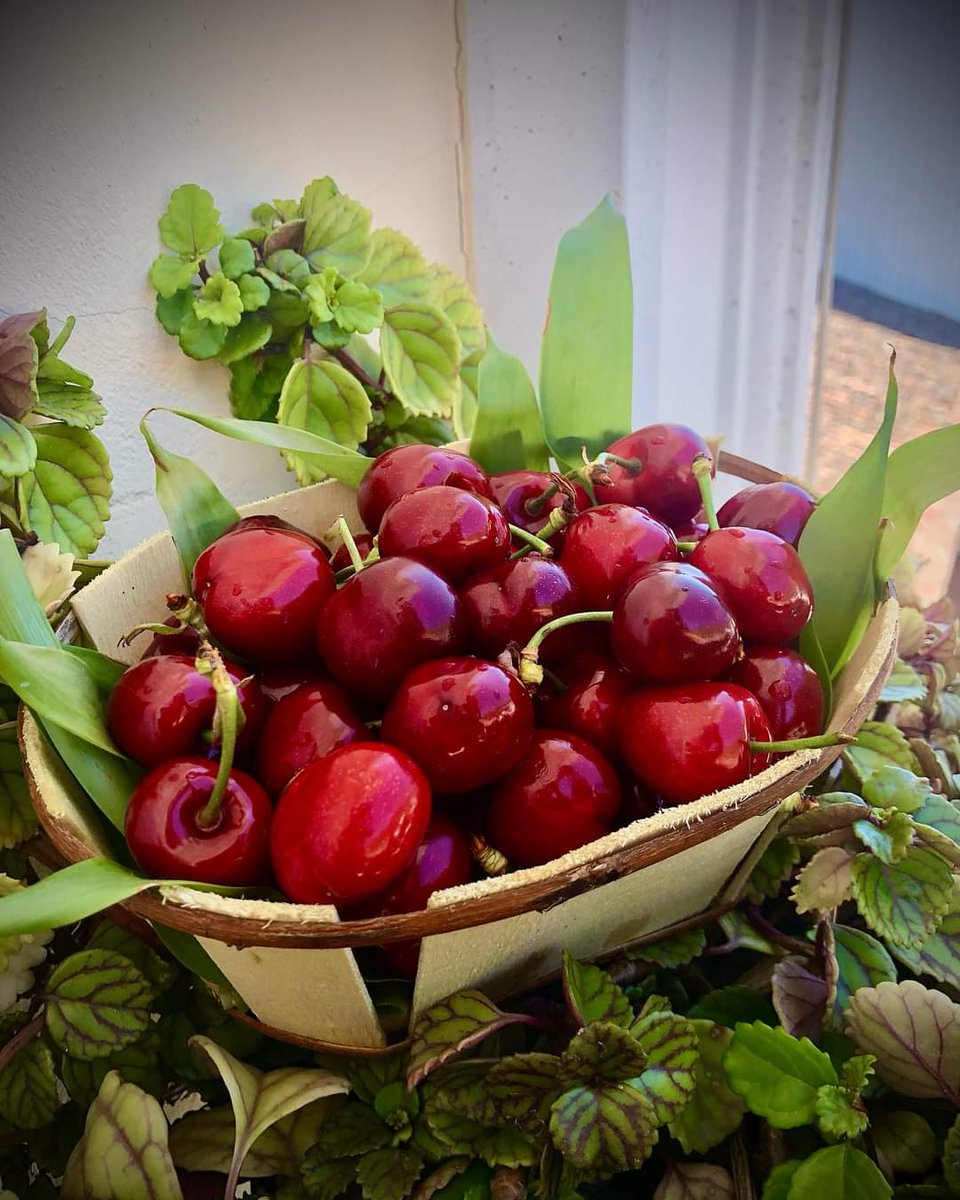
(106, 106)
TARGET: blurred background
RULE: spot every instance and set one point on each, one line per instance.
(790, 172)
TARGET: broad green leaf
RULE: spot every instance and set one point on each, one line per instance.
(254, 292)
(52, 369)
(218, 301)
(255, 386)
(905, 683)
(609, 1128)
(878, 745)
(17, 818)
(451, 1026)
(673, 951)
(914, 1033)
(824, 883)
(506, 1147)
(28, 1087)
(452, 295)
(904, 1142)
(159, 973)
(323, 398)
(800, 996)
(905, 902)
(244, 339)
(389, 1174)
(508, 432)
(602, 1053)
(592, 995)
(68, 494)
(106, 778)
(396, 268)
(919, 472)
(671, 1045)
(695, 1181)
(840, 1172)
(359, 309)
(259, 1100)
(523, 1087)
(939, 954)
(236, 257)
(862, 961)
(200, 339)
(123, 1153)
(170, 274)
(730, 1005)
(173, 312)
(353, 1128)
(713, 1111)
(138, 1063)
(465, 404)
(96, 1002)
(203, 1141)
(940, 814)
(838, 547)
(888, 837)
(18, 450)
(196, 510)
(191, 225)
(18, 366)
(326, 1179)
(777, 1076)
(777, 1184)
(772, 870)
(951, 1158)
(895, 787)
(421, 356)
(337, 232)
(73, 406)
(586, 362)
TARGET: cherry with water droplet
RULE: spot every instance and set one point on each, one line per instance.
(306, 724)
(455, 532)
(786, 686)
(658, 475)
(407, 468)
(780, 507)
(509, 603)
(605, 546)
(592, 686)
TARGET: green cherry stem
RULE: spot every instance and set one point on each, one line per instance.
(488, 858)
(534, 506)
(533, 542)
(820, 742)
(633, 465)
(530, 671)
(702, 470)
(226, 724)
(343, 530)
(686, 547)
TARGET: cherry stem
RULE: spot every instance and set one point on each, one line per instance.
(533, 542)
(534, 506)
(490, 860)
(187, 610)
(343, 529)
(702, 470)
(687, 547)
(633, 465)
(530, 670)
(820, 742)
(226, 725)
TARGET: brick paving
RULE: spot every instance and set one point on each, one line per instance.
(852, 394)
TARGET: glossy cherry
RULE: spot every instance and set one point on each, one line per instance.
(348, 825)
(671, 625)
(306, 724)
(594, 687)
(457, 533)
(169, 841)
(464, 720)
(186, 640)
(605, 546)
(261, 588)
(277, 682)
(509, 604)
(781, 507)
(386, 620)
(683, 741)
(341, 556)
(407, 468)
(660, 477)
(524, 498)
(762, 580)
(563, 794)
(786, 686)
(162, 708)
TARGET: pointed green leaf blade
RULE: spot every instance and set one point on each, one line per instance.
(323, 398)
(452, 1026)
(920, 472)
(508, 432)
(68, 494)
(777, 1076)
(97, 1002)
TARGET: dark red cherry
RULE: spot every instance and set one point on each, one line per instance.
(563, 794)
(348, 825)
(521, 496)
(465, 721)
(314, 720)
(162, 707)
(762, 580)
(687, 740)
(782, 508)
(691, 531)
(594, 688)
(786, 686)
(261, 589)
(509, 604)
(169, 842)
(406, 468)
(277, 682)
(671, 625)
(637, 803)
(605, 546)
(662, 480)
(185, 641)
(341, 556)
(269, 521)
(386, 620)
(457, 533)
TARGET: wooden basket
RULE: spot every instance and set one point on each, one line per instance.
(294, 965)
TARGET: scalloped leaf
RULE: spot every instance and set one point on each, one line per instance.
(772, 870)
(18, 449)
(905, 683)
(777, 1076)
(19, 359)
(396, 268)
(28, 1087)
(833, 811)
(713, 1111)
(323, 398)
(389, 1174)
(421, 357)
(825, 882)
(244, 339)
(68, 493)
(453, 295)
(904, 1142)
(672, 1047)
(96, 1002)
(139, 1063)
(17, 818)
(236, 257)
(840, 1172)
(353, 1128)
(326, 1179)
(800, 997)
(498, 1147)
(201, 339)
(695, 1181)
(887, 836)
(862, 961)
(879, 745)
(77, 407)
(903, 903)
(337, 231)
(191, 224)
(218, 301)
(609, 1128)
(673, 951)
(170, 274)
(592, 994)
(254, 292)
(602, 1053)
(451, 1026)
(523, 1087)
(895, 787)
(939, 954)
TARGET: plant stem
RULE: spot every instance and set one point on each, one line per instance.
(344, 531)
(774, 936)
(534, 542)
(351, 364)
(530, 670)
(534, 506)
(820, 742)
(686, 547)
(226, 723)
(702, 470)
(490, 860)
(20, 1039)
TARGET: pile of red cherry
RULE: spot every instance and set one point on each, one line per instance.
(386, 706)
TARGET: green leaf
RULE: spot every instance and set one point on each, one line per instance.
(389, 1174)
(191, 225)
(840, 1172)
(951, 1158)
(777, 1076)
(254, 292)
(498, 1147)
(218, 301)
(610, 1128)
(713, 1111)
(673, 951)
(461, 1088)
(421, 358)
(236, 257)
(695, 1181)
(123, 1153)
(244, 339)
(17, 818)
(919, 472)
(887, 836)
(326, 1179)
(259, 1100)
(354, 1128)
(396, 268)
(28, 1087)
(18, 366)
(107, 936)
(905, 683)
(586, 363)
(904, 1142)
(939, 954)
(914, 1034)
(838, 547)
(18, 450)
(465, 405)
(523, 1087)
(73, 406)
(895, 787)
(323, 398)
(200, 339)
(862, 961)
(170, 274)
(940, 814)
(824, 883)
(777, 1183)
(903, 903)
(602, 1053)
(173, 312)
(337, 232)
(68, 494)
(592, 995)
(508, 433)
(672, 1046)
(359, 309)
(138, 1063)
(451, 1026)
(772, 870)
(203, 1141)
(255, 386)
(730, 1005)
(840, 1114)
(800, 996)
(96, 1002)
(452, 295)
(879, 745)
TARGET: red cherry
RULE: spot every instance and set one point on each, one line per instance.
(185, 641)
(406, 468)
(683, 741)
(665, 483)
(349, 824)
(341, 557)
(595, 687)
(277, 682)
(690, 531)
(261, 589)
(455, 532)
(786, 686)
(161, 707)
(306, 724)
(520, 495)
(637, 802)
(564, 794)
(168, 842)
(762, 580)
(386, 620)
(605, 546)
(465, 721)
(670, 625)
(511, 602)
(782, 508)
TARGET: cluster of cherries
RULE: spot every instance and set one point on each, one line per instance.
(500, 670)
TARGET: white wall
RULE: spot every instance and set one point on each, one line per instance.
(107, 105)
